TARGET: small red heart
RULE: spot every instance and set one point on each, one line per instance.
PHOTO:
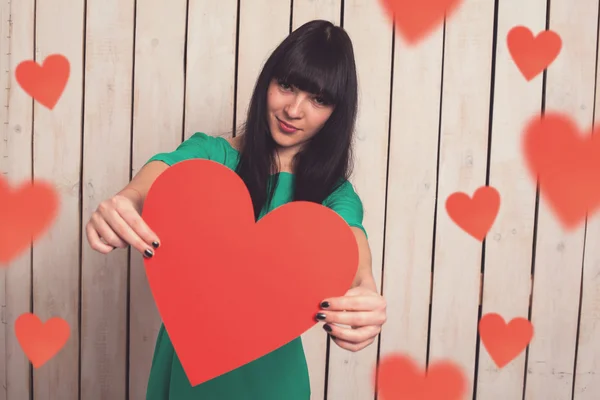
(566, 163)
(44, 83)
(532, 55)
(399, 378)
(504, 341)
(415, 19)
(26, 213)
(41, 341)
(475, 216)
(230, 290)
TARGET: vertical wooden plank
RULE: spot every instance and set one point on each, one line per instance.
(308, 10)
(57, 153)
(314, 340)
(158, 92)
(462, 167)
(509, 242)
(587, 384)
(411, 195)
(559, 254)
(210, 79)
(263, 25)
(107, 127)
(350, 374)
(16, 45)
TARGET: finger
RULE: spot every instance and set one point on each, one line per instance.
(120, 226)
(353, 318)
(106, 233)
(351, 346)
(95, 242)
(358, 335)
(139, 226)
(354, 303)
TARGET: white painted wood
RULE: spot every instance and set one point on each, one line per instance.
(16, 45)
(308, 10)
(107, 127)
(507, 275)
(210, 79)
(350, 374)
(558, 253)
(315, 339)
(411, 196)
(157, 127)
(56, 156)
(263, 25)
(462, 167)
(587, 368)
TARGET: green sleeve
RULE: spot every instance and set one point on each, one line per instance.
(199, 145)
(346, 202)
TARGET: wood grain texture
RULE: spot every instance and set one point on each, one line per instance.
(16, 127)
(559, 253)
(57, 157)
(106, 130)
(462, 167)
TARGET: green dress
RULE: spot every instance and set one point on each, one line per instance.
(279, 375)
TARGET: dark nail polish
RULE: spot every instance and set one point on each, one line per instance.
(155, 244)
(325, 304)
(327, 328)
(320, 316)
(148, 253)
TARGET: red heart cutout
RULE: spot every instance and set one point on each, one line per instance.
(532, 55)
(26, 213)
(475, 216)
(41, 341)
(399, 378)
(504, 341)
(44, 83)
(230, 290)
(415, 19)
(567, 165)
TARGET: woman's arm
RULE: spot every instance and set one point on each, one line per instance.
(138, 188)
(364, 274)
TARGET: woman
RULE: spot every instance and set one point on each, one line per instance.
(295, 145)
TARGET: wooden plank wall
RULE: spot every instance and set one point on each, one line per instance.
(440, 117)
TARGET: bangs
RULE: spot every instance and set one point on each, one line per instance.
(316, 66)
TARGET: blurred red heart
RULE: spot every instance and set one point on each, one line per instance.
(399, 378)
(26, 212)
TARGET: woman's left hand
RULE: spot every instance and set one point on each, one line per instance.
(364, 310)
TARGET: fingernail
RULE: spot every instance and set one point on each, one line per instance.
(321, 316)
(148, 253)
(155, 244)
(325, 304)
(327, 328)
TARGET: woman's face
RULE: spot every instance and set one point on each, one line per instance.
(294, 116)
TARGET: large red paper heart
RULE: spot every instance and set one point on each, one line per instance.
(504, 341)
(567, 164)
(44, 83)
(399, 378)
(26, 212)
(230, 290)
(416, 19)
(41, 341)
(532, 54)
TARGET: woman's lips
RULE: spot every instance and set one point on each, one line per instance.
(286, 127)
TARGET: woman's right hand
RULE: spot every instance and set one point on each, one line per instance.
(117, 223)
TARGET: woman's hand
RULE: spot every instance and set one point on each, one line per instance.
(117, 223)
(363, 309)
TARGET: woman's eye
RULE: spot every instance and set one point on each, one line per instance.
(284, 85)
(320, 101)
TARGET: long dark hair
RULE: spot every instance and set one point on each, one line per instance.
(317, 58)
